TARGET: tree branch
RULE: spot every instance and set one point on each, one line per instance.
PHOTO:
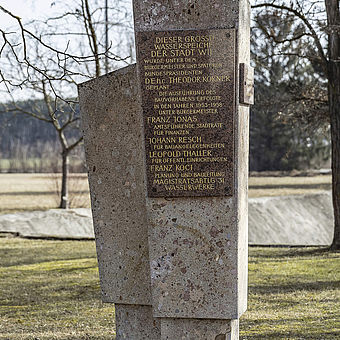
(302, 17)
(72, 146)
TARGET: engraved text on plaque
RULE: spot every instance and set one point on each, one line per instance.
(188, 80)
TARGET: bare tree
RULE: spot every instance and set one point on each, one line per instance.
(320, 29)
(74, 38)
(47, 58)
(52, 108)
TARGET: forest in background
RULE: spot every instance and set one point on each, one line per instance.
(30, 145)
(289, 123)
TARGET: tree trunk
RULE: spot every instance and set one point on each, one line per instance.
(64, 203)
(334, 99)
(333, 20)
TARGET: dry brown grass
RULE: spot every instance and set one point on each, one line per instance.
(50, 291)
(280, 186)
(23, 192)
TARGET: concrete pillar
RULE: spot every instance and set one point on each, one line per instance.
(174, 263)
(136, 322)
(113, 135)
(197, 240)
(199, 329)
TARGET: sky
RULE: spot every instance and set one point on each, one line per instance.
(29, 10)
(25, 9)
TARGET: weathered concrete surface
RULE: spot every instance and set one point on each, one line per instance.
(291, 220)
(198, 246)
(136, 323)
(160, 15)
(199, 329)
(113, 135)
(194, 257)
(58, 223)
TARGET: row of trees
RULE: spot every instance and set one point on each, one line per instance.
(304, 41)
(289, 121)
(296, 51)
(27, 143)
(30, 145)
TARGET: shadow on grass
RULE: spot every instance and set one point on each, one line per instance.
(294, 287)
(11, 258)
(16, 251)
(42, 295)
(71, 270)
(280, 252)
(294, 335)
(295, 328)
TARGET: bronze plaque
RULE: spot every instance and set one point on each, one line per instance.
(188, 98)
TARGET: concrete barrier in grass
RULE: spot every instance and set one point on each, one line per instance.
(303, 220)
(54, 223)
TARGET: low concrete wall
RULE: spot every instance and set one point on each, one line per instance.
(291, 220)
(54, 223)
(283, 220)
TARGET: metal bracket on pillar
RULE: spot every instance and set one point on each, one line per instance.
(246, 84)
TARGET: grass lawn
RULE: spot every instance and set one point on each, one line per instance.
(23, 192)
(50, 290)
